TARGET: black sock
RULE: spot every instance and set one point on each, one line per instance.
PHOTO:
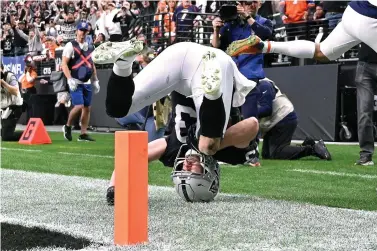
(212, 117)
(119, 95)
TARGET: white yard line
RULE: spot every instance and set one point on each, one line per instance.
(20, 149)
(88, 155)
(363, 176)
(66, 153)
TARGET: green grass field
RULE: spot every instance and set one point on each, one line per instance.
(336, 183)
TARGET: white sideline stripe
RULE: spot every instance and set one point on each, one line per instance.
(66, 153)
(363, 176)
(20, 149)
(88, 155)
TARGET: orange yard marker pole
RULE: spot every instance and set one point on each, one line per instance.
(131, 188)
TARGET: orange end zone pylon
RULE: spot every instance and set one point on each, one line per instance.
(131, 188)
(35, 133)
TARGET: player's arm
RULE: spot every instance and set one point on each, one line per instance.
(156, 149)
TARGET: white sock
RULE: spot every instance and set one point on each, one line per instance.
(122, 68)
(297, 48)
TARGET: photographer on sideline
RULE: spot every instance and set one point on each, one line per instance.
(239, 22)
(11, 105)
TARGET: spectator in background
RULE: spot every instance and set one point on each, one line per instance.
(212, 7)
(20, 40)
(27, 81)
(92, 17)
(366, 85)
(183, 22)
(334, 11)
(135, 9)
(159, 22)
(125, 19)
(113, 28)
(294, 11)
(51, 47)
(319, 12)
(35, 43)
(68, 24)
(100, 24)
(100, 38)
(169, 24)
(7, 39)
(51, 29)
(147, 11)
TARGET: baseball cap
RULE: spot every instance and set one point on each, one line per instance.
(83, 26)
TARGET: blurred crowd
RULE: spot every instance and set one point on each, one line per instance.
(42, 27)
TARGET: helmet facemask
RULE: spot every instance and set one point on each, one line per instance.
(196, 176)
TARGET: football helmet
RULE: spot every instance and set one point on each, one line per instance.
(193, 186)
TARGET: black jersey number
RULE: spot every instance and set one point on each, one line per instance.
(184, 118)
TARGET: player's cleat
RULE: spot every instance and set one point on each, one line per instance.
(320, 150)
(211, 75)
(110, 52)
(365, 161)
(308, 142)
(249, 45)
(252, 155)
(110, 196)
(67, 132)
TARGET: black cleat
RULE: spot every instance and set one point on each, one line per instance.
(365, 160)
(320, 150)
(85, 137)
(110, 196)
(67, 130)
(308, 142)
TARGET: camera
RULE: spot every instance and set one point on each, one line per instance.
(228, 12)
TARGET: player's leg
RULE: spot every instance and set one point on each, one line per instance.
(126, 95)
(362, 27)
(340, 40)
(215, 76)
(241, 134)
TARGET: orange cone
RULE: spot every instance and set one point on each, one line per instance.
(35, 133)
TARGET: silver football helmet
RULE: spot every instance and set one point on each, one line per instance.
(193, 186)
